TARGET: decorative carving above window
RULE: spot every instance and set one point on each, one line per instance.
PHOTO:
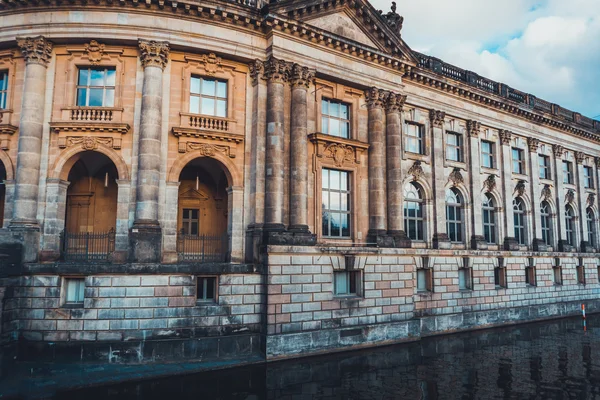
(570, 197)
(89, 142)
(546, 192)
(591, 200)
(456, 177)
(416, 171)
(520, 188)
(208, 143)
(490, 183)
(94, 51)
(342, 152)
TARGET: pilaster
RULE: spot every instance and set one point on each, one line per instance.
(536, 194)
(560, 199)
(510, 243)
(477, 240)
(440, 236)
(585, 245)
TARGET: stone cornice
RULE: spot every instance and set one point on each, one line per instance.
(153, 53)
(36, 50)
(80, 127)
(197, 133)
(8, 129)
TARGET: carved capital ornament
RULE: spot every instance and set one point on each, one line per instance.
(558, 150)
(394, 102)
(505, 136)
(153, 53)
(533, 144)
(473, 127)
(277, 71)
(579, 157)
(257, 71)
(301, 76)
(375, 97)
(437, 118)
(35, 50)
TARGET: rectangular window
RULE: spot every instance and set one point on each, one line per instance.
(530, 277)
(96, 87)
(346, 283)
(588, 177)
(191, 221)
(208, 96)
(206, 290)
(424, 280)
(567, 172)
(464, 279)
(414, 138)
(544, 162)
(3, 88)
(581, 275)
(487, 154)
(74, 291)
(500, 277)
(335, 118)
(335, 200)
(557, 275)
(518, 161)
(454, 143)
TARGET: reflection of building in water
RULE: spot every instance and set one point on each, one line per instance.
(277, 179)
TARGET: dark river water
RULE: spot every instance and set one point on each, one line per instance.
(549, 360)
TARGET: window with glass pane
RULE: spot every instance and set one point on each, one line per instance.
(454, 218)
(413, 211)
(530, 276)
(588, 177)
(500, 277)
(489, 219)
(335, 118)
(464, 279)
(567, 172)
(191, 221)
(544, 162)
(206, 290)
(208, 96)
(75, 289)
(487, 154)
(96, 87)
(557, 272)
(414, 138)
(518, 161)
(591, 226)
(3, 88)
(580, 272)
(335, 198)
(454, 150)
(546, 223)
(424, 281)
(519, 219)
(345, 283)
(570, 225)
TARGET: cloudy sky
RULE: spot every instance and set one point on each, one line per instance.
(549, 48)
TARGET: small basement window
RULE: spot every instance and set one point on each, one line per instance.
(500, 277)
(206, 290)
(346, 283)
(424, 280)
(464, 279)
(581, 275)
(557, 275)
(74, 291)
(530, 276)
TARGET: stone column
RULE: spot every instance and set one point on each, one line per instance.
(37, 52)
(277, 74)
(9, 194)
(54, 218)
(377, 169)
(145, 238)
(536, 194)
(235, 229)
(300, 79)
(440, 236)
(582, 201)
(510, 243)
(122, 226)
(477, 240)
(560, 199)
(395, 217)
(169, 227)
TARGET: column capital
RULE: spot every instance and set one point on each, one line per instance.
(301, 76)
(437, 118)
(153, 53)
(533, 144)
(35, 50)
(579, 157)
(375, 97)
(394, 102)
(473, 127)
(505, 136)
(597, 161)
(257, 71)
(558, 150)
(277, 71)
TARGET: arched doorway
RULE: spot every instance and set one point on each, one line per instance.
(91, 208)
(202, 214)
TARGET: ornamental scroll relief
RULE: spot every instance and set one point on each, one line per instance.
(342, 152)
(206, 149)
(89, 142)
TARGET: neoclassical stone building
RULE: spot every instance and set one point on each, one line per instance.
(187, 179)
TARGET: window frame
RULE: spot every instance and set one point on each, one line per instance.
(215, 98)
(205, 281)
(88, 87)
(500, 278)
(328, 117)
(588, 177)
(4, 89)
(490, 155)
(567, 172)
(580, 274)
(570, 226)
(488, 208)
(591, 226)
(353, 283)
(420, 139)
(557, 275)
(186, 222)
(457, 222)
(520, 214)
(530, 276)
(544, 165)
(458, 147)
(427, 275)
(418, 221)
(66, 302)
(519, 161)
(468, 279)
(348, 212)
(546, 223)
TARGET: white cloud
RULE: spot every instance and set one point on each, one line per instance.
(549, 48)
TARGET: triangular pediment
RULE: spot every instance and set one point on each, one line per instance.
(342, 25)
(194, 194)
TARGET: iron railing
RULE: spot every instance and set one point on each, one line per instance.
(202, 248)
(88, 246)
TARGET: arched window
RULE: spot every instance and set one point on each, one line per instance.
(570, 225)
(489, 219)
(413, 211)
(546, 223)
(454, 215)
(519, 219)
(591, 226)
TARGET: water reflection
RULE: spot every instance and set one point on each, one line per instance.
(551, 360)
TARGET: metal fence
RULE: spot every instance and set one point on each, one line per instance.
(202, 248)
(88, 246)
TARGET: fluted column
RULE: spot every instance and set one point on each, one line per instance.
(477, 240)
(37, 52)
(510, 243)
(377, 169)
(301, 78)
(277, 74)
(395, 221)
(440, 236)
(536, 194)
(145, 238)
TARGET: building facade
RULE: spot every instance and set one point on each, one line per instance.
(214, 179)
